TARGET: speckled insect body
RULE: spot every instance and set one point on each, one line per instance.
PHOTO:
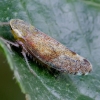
(47, 50)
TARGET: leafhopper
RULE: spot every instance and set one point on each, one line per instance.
(46, 49)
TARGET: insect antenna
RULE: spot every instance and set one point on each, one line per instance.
(31, 70)
(4, 23)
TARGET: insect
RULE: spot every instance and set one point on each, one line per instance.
(47, 50)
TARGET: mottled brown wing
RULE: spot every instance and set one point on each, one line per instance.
(56, 55)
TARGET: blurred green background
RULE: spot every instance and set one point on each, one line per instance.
(74, 23)
(9, 89)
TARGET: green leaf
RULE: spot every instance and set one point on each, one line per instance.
(76, 24)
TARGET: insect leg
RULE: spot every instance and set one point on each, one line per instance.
(24, 55)
(9, 42)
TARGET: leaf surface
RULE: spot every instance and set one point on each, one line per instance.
(75, 24)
